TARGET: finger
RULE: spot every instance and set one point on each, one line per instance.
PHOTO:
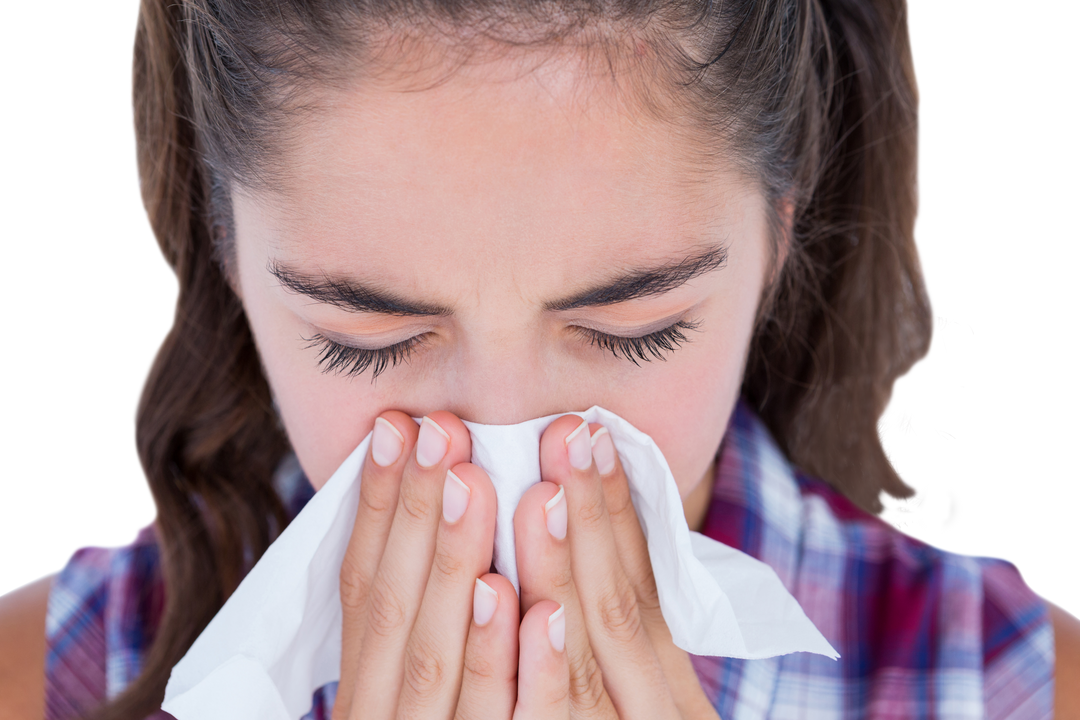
(631, 669)
(630, 543)
(633, 551)
(490, 678)
(543, 673)
(393, 438)
(398, 586)
(543, 557)
(434, 655)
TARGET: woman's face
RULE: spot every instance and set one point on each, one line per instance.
(518, 232)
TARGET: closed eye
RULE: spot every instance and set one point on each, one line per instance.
(340, 359)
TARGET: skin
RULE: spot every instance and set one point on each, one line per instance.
(437, 215)
(498, 335)
(491, 194)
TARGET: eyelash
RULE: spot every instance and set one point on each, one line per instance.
(337, 358)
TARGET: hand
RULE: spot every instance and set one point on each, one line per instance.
(420, 636)
(579, 542)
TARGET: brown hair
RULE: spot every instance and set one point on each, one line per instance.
(817, 97)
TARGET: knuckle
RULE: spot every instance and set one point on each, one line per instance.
(648, 596)
(559, 697)
(586, 685)
(375, 503)
(561, 583)
(386, 612)
(621, 510)
(445, 564)
(591, 513)
(425, 673)
(479, 670)
(354, 589)
(619, 614)
(414, 506)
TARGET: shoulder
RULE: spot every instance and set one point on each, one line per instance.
(908, 619)
(22, 650)
(103, 610)
(926, 614)
(1067, 659)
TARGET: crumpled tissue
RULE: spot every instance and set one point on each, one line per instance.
(278, 638)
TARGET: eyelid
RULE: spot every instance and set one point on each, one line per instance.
(388, 339)
(376, 341)
(339, 358)
(632, 332)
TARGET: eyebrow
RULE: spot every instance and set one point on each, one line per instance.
(631, 285)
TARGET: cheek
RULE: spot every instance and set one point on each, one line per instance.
(324, 417)
(323, 424)
(686, 412)
(686, 405)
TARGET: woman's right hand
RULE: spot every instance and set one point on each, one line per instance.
(421, 637)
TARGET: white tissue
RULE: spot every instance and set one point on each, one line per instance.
(278, 638)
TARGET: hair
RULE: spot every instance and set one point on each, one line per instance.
(816, 97)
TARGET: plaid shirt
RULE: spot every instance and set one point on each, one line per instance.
(922, 633)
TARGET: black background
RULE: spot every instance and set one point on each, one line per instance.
(89, 299)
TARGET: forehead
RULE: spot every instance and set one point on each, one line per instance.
(533, 155)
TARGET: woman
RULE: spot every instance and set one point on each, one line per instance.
(495, 213)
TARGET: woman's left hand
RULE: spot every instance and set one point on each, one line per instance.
(579, 543)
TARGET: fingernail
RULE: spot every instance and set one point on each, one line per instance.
(484, 602)
(455, 498)
(557, 629)
(386, 443)
(603, 451)
(432, 443)
(555, 514)
(578, 448)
